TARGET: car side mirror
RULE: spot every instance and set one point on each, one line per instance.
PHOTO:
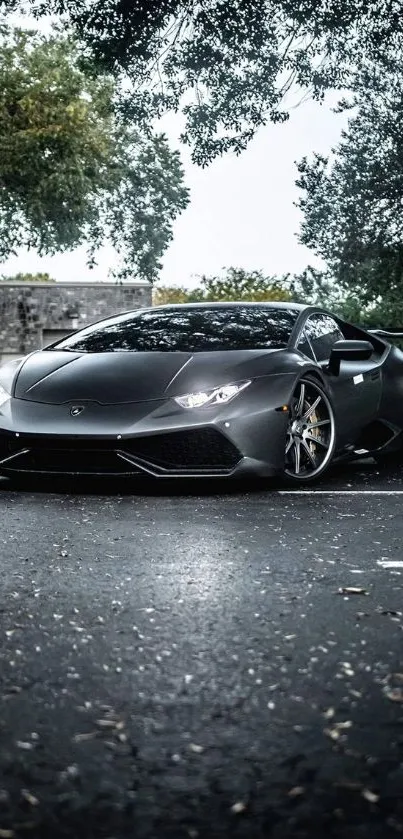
(348, 351)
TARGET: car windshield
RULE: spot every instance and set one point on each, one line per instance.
(187, 330)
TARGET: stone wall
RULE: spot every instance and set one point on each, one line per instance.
(33, 315)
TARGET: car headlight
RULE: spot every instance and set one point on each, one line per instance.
(216, 396)
(4, 395)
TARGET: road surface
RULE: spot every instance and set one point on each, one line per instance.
(202, 661)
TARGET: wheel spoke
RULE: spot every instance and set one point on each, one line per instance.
(312, 408)
(309, 453)
(316, 440)
(289, 444)
(319, 423)
(301, 400)
(297, 446)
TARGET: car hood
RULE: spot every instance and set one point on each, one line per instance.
(55, 377)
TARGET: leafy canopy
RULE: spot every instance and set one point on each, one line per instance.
(351, 201)
(70, 172)
(228, 64)
(236, 284)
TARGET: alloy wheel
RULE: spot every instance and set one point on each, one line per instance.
(310, 433)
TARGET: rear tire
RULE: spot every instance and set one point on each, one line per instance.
(311, 433)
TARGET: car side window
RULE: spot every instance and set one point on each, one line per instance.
(304, 346)
(323, 332)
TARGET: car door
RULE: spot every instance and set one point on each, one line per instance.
(356, 391)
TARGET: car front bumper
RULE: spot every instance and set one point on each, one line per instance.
(156, 438)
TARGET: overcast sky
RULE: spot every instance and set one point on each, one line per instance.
(241, 212)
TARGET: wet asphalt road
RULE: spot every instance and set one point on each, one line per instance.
(182, 661)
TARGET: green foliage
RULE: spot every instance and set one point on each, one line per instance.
(352, 201)
(237, 284)
(40, 277)
(321, 288)
(163, 295)
(228, 64)
(71, 172)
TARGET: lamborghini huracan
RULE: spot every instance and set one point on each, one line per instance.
(202, 390)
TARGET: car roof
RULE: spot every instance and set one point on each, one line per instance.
(278, 304)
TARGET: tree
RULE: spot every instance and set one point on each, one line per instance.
(237, 284)
(352, 201)
(320, 288)
(228, 64)
(163, 295)
(70, 172)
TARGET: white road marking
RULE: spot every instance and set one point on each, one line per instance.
(340, 491)
(390, 563)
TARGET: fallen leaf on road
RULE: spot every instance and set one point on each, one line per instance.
(71, 772)
(394, 694)
(346, 668)
(108, 724)
(393, 689)
(81, 738)
(352, 590)
(295, 792)
(370, 796)
(27, 795)
(238, 807)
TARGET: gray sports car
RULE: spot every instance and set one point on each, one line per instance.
(217, 389)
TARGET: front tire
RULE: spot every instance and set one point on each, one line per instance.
(311, 433)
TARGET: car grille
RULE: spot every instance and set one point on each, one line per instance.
(196, 450)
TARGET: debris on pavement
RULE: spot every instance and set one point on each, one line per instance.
(81, 738)
(238, 807)
(31, 799)
(295, 792)
(370, 796)
(393, 687)
(335, 732)
(194, 747)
